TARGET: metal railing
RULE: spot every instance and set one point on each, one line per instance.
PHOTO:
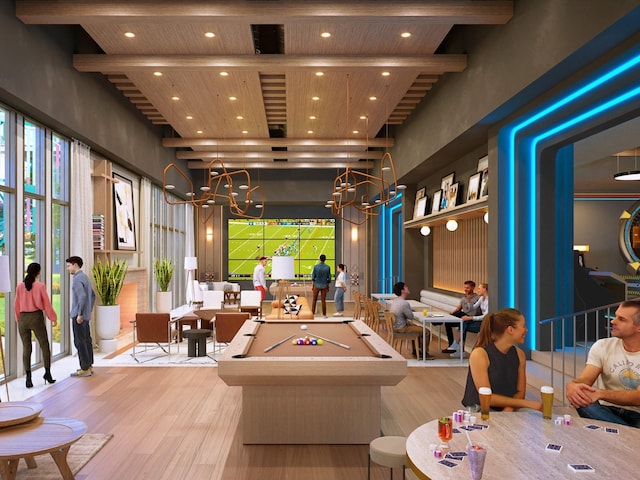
(572, 335)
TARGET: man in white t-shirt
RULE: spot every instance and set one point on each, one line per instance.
(615, 363)
(260, 277)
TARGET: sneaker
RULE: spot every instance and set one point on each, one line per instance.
(454, 346)
(337, 314)
(449, 350)
(82, 373)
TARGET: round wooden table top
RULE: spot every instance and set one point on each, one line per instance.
(39, 436)
(15, 413)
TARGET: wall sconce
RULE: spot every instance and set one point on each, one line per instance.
(354, 234)
(209, 234)
(425, 231)
(581, 248)
(486, 217)
(452, 225)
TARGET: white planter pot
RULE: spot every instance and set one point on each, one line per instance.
(164, 302)
(108, 327)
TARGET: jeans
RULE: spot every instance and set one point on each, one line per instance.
(609, 413)
(338, 299)
(84, 344)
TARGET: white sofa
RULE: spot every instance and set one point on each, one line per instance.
(441, 301)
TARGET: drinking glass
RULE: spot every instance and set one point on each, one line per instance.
(445, 430)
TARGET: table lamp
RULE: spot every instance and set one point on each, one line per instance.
(5, 287)
(282, 270)
(190, 265)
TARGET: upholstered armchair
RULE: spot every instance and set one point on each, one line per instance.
(152, 328)
(228, 324)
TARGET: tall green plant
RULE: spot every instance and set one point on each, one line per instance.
(163, 269)
(109, 278)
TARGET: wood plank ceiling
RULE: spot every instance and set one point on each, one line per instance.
(256, 83)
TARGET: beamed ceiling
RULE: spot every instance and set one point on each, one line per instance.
(246, 93)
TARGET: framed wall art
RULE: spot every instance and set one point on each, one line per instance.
(452, 201)
(484, 184)
(483, 163)
(474, 187)
(445, 185)
(437, 197)
(421, 203)
(125, 226)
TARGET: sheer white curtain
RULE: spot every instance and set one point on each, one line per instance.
(144, 233)
(189, 250)
(81, 200)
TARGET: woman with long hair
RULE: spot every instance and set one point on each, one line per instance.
(497, 363)
(31, 304)
(341, 286)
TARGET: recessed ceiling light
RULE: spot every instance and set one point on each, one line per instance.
(309, 131)
(233, 98)
(405, 34)
(189, 117)
(356, 131)
(386, 74)
(363, 117)
(373, 98)
(312, 117)
(199, 131)
(315, 99)
(224, 74)
(209, 34)
(245, 131)
(319, 74)
(129, 34)
(175, 97)
(157, 74)
(239, 117)
(325, 34)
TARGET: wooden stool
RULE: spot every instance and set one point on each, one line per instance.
(389, 452)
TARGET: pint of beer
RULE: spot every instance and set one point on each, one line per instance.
(485, 402)
(547, 401)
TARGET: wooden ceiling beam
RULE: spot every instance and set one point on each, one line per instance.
(277, 142)
(355, 11)
(107, 64)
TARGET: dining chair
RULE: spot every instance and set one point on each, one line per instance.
(152, 328)
(251, 301)
(394, 338)
(212, 299)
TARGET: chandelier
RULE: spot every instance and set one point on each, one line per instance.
(219, 190)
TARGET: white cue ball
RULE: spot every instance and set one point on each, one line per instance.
(303, 327)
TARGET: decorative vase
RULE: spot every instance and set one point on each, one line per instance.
(164, 302)
(108, 326)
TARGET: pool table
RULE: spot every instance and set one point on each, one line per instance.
(310, 394)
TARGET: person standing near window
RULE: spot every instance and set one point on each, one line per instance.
(82, 299)
(341, 287)
(31, 304)
(321, 278)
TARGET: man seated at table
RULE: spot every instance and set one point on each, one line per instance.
(401, 309)
(466, 308)
(615, 362)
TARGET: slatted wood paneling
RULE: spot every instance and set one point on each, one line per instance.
(460, 255)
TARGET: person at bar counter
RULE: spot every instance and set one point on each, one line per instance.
(615, 362)
(402, 313)
(497, 363)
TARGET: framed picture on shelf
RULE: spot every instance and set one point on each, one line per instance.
(445, 184)
(123, 212)
(453, 195)
(474, 187)
(419, 207)
(437, 197)
(484, 184)
(483, 163)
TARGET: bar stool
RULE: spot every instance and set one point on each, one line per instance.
(389, 452)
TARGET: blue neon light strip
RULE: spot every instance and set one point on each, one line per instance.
(510, 175)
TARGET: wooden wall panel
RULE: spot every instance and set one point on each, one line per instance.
(460, 255)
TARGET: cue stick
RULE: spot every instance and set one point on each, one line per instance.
(268, 349)
(332, 341)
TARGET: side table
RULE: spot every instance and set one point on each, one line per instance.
(197, 338)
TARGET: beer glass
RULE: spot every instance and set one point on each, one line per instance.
(485, 402)
(546, 393)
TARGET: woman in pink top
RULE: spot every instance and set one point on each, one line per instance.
(31, 303)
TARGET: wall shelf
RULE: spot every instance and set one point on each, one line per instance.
(473, 209)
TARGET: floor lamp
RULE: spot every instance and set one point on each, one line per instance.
(5, 287)
(282, 270)
(190, 265)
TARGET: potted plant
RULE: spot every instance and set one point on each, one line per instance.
(108, 278)
(163, 269)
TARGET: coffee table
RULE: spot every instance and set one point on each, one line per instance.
(42, 435)
(15, 413)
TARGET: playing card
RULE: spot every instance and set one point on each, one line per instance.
(448, 463)
(552, 447)
(451, 456)
(611, 430)
(591, 426)
(458, 454)
(581, 467)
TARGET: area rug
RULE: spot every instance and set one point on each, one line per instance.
(79, 455)
(154, 356)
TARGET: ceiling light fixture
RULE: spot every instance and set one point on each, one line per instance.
(209, 34)
(129, 34)
(631, 174)
(425, 231)
(452, 225)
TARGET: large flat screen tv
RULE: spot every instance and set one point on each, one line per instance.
(305, 239)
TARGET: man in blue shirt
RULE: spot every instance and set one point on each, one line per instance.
(321, 278)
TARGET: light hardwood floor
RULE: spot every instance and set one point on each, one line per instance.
(184, 422)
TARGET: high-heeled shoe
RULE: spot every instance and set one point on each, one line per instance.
(48, 378)
(28, 383)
